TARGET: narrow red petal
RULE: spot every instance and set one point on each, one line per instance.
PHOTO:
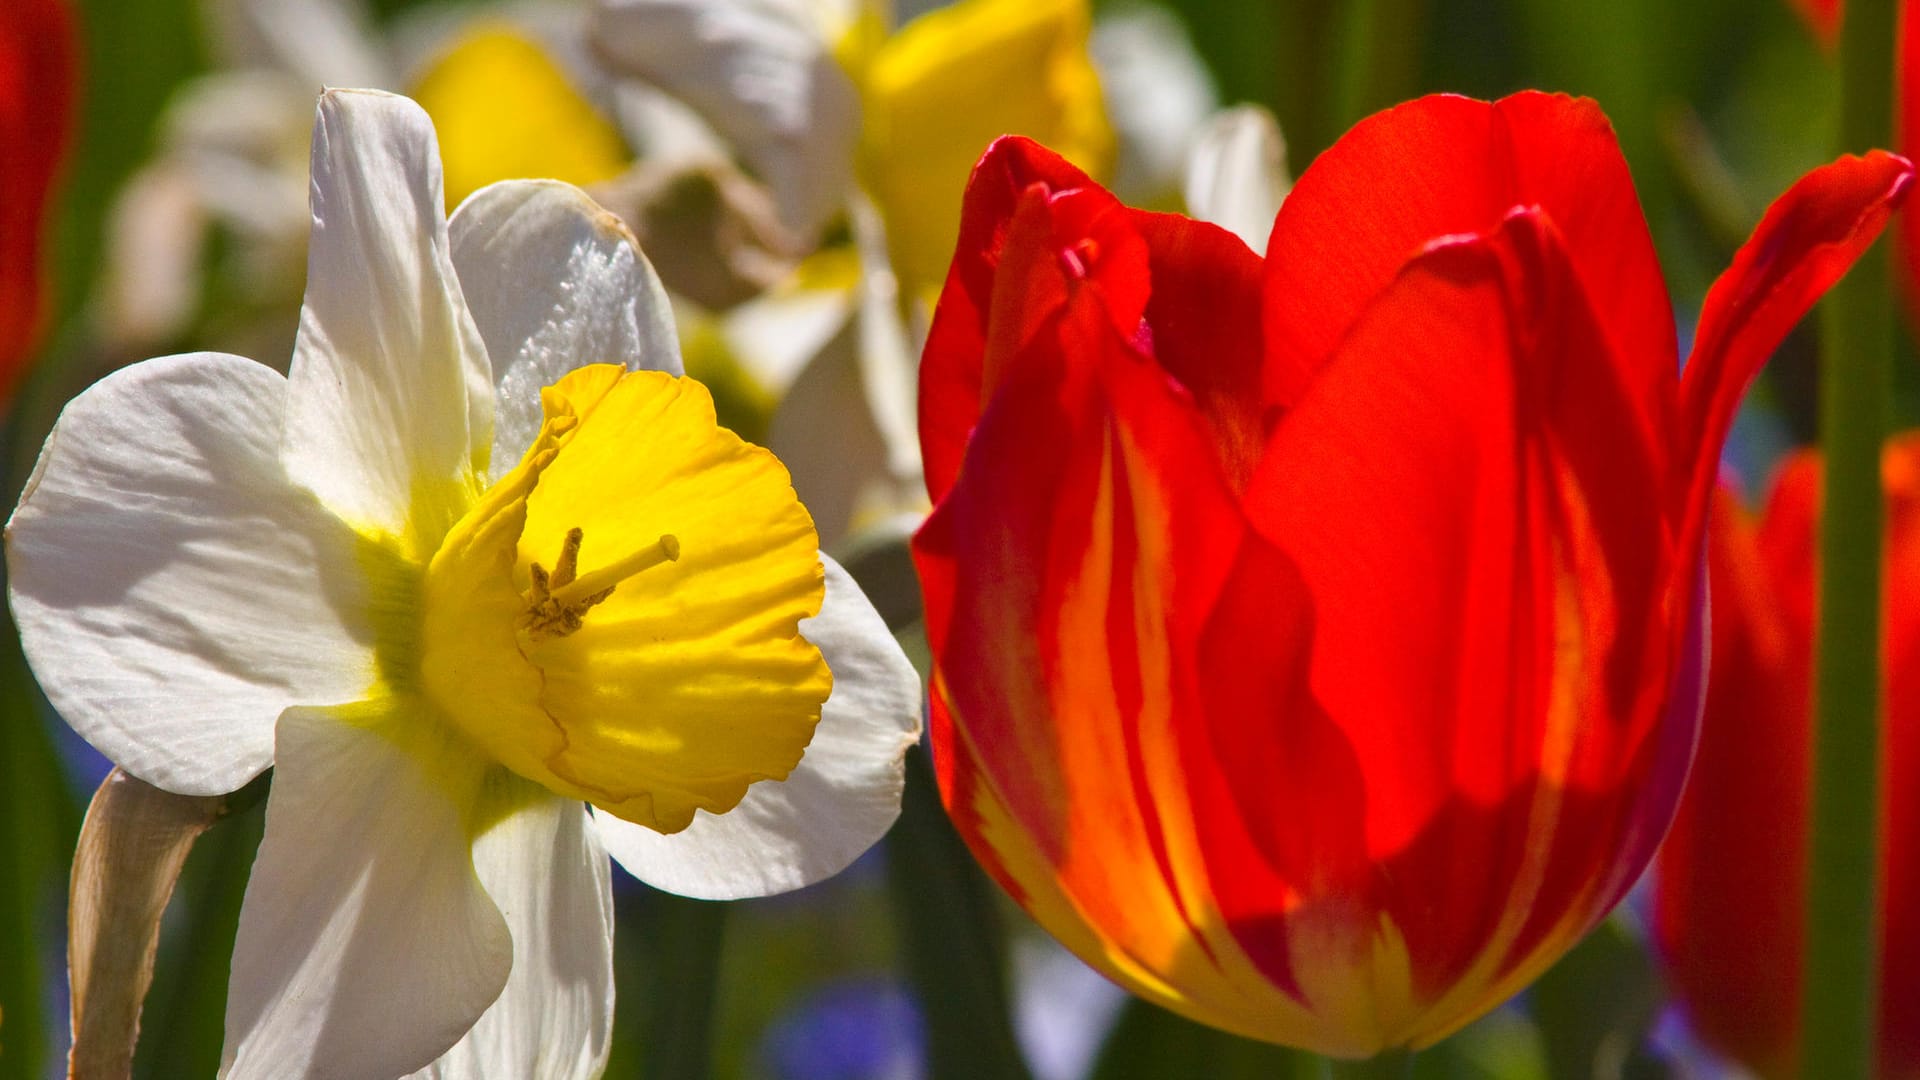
(1808, 238)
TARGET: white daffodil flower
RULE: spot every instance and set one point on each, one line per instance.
(481, 559)
(1237, 173)
(1158, 93)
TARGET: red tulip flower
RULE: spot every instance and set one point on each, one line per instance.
(1730, 897)
(1317, 641)
(36, 105)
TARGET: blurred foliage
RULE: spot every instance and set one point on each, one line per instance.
(1718, 103)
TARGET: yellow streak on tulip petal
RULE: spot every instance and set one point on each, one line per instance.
(1152, 954)
(505, 110)
(949, 83)
(1106, 896)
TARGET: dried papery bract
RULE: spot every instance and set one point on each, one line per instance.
(133, 843)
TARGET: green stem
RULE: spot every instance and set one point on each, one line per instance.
(1391, 1065)
(1839, 988)
(684, 939)
(1356, 43)
(952, 940)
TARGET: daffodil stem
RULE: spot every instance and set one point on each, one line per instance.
(1391, 1065)
(685, 938)
(950, 935)
(1839, 991)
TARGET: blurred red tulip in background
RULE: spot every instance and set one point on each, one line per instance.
(37, 61)
(1730, 899)
(1822, 16)
(1317, 640)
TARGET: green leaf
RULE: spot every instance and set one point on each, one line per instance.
(39, 817)
(1595, 1007)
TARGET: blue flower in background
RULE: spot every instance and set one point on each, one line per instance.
(858, 1029)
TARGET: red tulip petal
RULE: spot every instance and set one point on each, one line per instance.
(37, 62)
(1465, 490)
(1447, 165)
(950, 399)
(1809, 237)
(1204, 316)
(1071, 571)
(1034, 530)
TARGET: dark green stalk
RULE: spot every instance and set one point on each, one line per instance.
(952, 939)
(1839, 990)
(684, 938)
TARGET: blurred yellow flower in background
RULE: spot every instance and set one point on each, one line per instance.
(505, 109)
(950, 82)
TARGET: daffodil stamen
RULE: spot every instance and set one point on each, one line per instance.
(598, 583)
(557, 601)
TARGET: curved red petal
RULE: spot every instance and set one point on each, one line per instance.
(1464, 489)
(1073, 572)
(1204, 318)
(1808, 238)
(37, 74)
(1445, 165)
(950, 366)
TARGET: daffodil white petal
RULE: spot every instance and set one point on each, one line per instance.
(320, 42)
(1237, 174)
(174, 593)
(544, 866)
(555, 282)
(842, 797)
(1157, 93)
(839, 477)
(762, 72)
(391, 394)
(367, 944)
